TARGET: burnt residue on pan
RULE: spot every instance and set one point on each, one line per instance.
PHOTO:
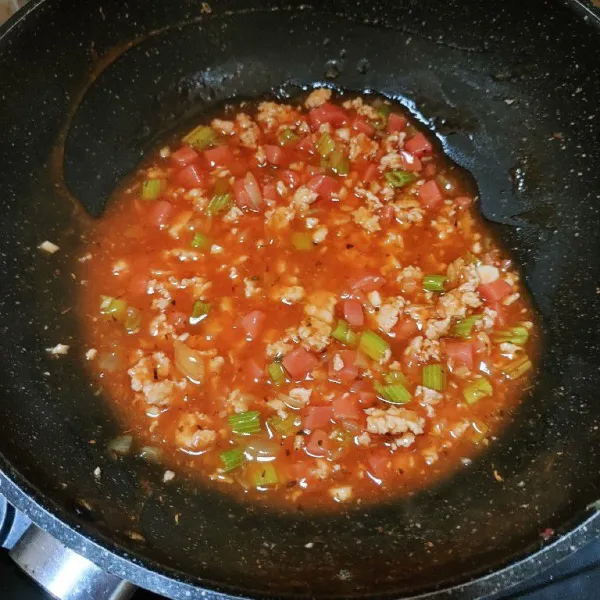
(510, 90)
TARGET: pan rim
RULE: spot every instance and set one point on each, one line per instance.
(146, 573)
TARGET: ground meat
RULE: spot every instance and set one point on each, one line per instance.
(314, 334)
(423, 350)
(192, 432)
(317, 98)
(321, 305)
(393, 420)
(366, 219)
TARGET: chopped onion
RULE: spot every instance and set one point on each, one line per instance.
(261, 450)
(189, 362)
(253, 190)
(151, 454)
(110, 361)
(294, 403)
(121, 444)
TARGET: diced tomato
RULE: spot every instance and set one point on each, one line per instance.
(386, 215)
(348, 372)
(379, 462)
(410, 162)
(501, 313)
(347, 407)
(362, 126)
(253, 370)
(299, 362)
(306, 144)
(221, 155)
(253, 322)
(463, 201)
(353, 313)
(291, 179)
(327, 113)
(318, 444)
(324, 185)
(190, 176)
(367, 282)
(274, 154)
(184, 156)
(160, 213)
(270, 191)
(241, 196)
(247, 193)
(365, 392)
(461, 352)
(419, 145)
(395, 123)
(317, 417)
(370, 173)
(494, 291)
(406, 329)
(430, 195)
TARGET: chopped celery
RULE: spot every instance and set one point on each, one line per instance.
(232, 459)
(245, 423)
(477, 389)
(201, 137)
(152, 188)
(514, 335)
(200, 311)
(133, 320)
(433, 377)
(463, 328)
(221, 186)
(400, 179)
(434, 283)
(286, 136)
(115, 307)
(276, 372)
(200, 241)
(395, 393)
(344, 334)
(325, 145)
(517, 367)
(373, 346)
(383, 110)
(302, 241)
(264, 475)
(392, 377)
(219, 204)
(338, 162)
(286, 427)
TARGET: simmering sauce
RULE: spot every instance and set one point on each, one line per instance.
(302, 302)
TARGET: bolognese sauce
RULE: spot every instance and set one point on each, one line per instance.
(302, 301)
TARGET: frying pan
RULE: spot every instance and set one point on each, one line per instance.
(510, 88)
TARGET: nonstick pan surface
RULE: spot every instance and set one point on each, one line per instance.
(510, 89)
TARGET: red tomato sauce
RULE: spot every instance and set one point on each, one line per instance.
(301, 302)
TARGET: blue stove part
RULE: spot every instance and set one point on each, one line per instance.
(13, 524)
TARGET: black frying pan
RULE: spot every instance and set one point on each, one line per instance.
(510, 88)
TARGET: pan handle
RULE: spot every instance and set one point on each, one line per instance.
(63, 573)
